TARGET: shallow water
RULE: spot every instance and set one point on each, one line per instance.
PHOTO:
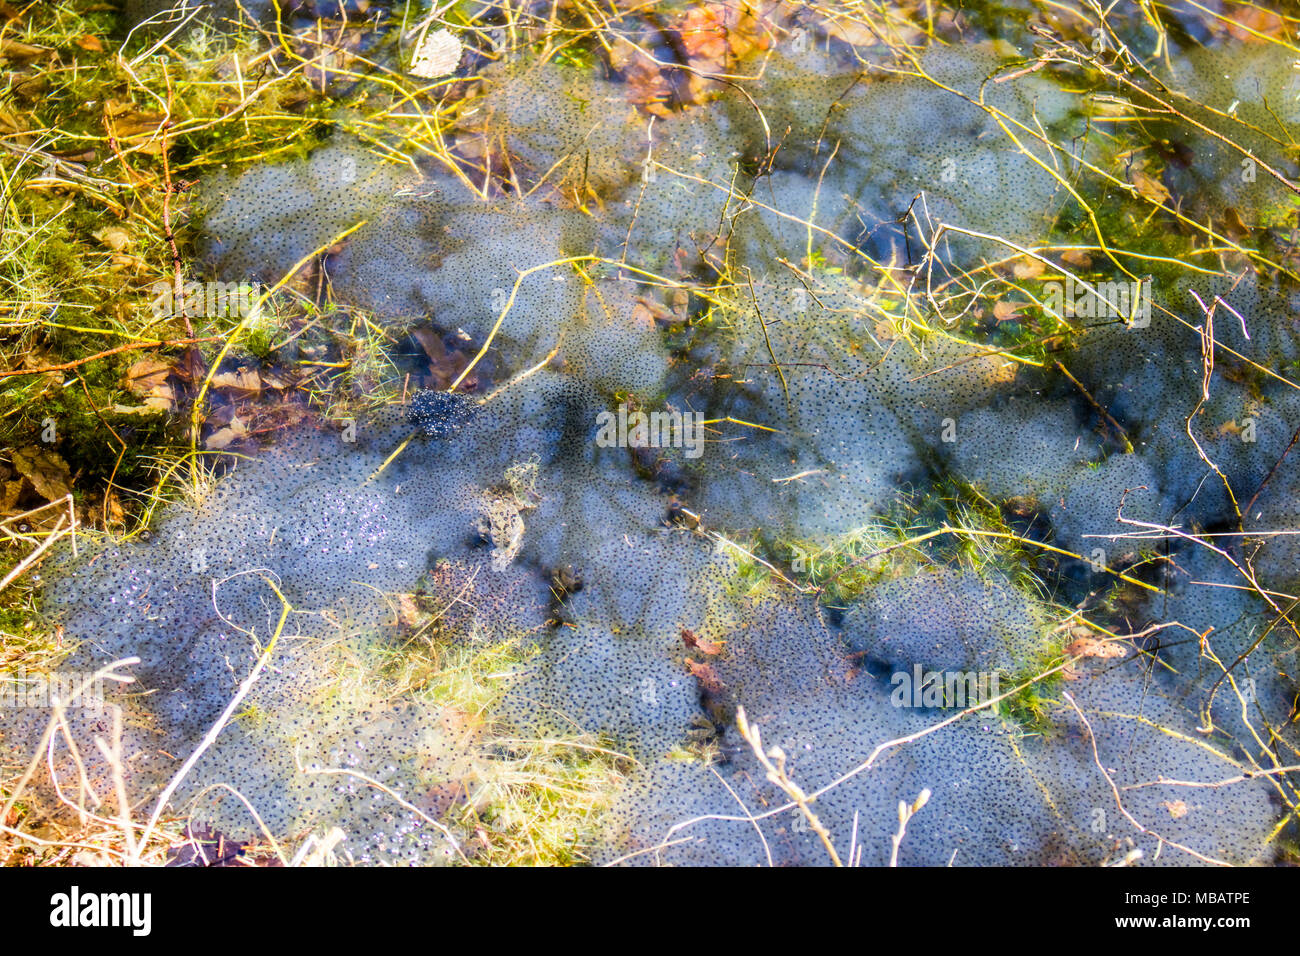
(902, 300)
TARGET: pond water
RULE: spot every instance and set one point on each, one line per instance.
(990, 338)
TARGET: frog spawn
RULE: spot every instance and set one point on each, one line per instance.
(998, 797)
(314, 744)
(860, 411)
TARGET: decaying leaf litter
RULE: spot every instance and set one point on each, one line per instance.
(989, 326)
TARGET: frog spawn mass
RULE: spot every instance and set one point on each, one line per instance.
(820, 410)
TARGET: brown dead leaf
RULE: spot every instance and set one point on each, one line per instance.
(10, 492)
(148, 379)
(649, 310)
(642, 317)
(409, 614)
(1150, 187)
(857, 32)
(1028, 268)
(133, 127)
(90, 42)
(1229, 429)
(707, 676)
(713, 37)
(1078, 258)
(223, 438)
(46, 470)
(113, 511)
(1095, 647)
(646, 85)
(1253, 25)
(146, 375)
(243, 381)
(1005, 311)
(704, 36)
(444, 366)
(1234, 226)
(115, 237)
(14, 50)
(712, 648)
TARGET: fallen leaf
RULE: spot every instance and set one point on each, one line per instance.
(715, 33)
(115, 237)
(48, 473)
(438, 54)
(14, 50)
(125, 123)
(1234, 226)
(10, 492)
(148, 379)
(1028, 268)
(1005, 311)
(1252, 25)
(1226, 429)
(409, 614)
(1177, 808)
(150, 408)
(223, 438)
(243, 380)
(642, 317)
(1077, 258)
(704, 36)
(444, 366)
(146, 375)
(857, 32)
(1094, 647)
(113, 511)
(646, 85)
(1150, 187)
(707, 676)
(694, 642)
(89, 42)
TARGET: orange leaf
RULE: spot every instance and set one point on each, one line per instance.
(707, 677)
(691, 640)
(1092, 647)
(1028, 268)
(1004, 311)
